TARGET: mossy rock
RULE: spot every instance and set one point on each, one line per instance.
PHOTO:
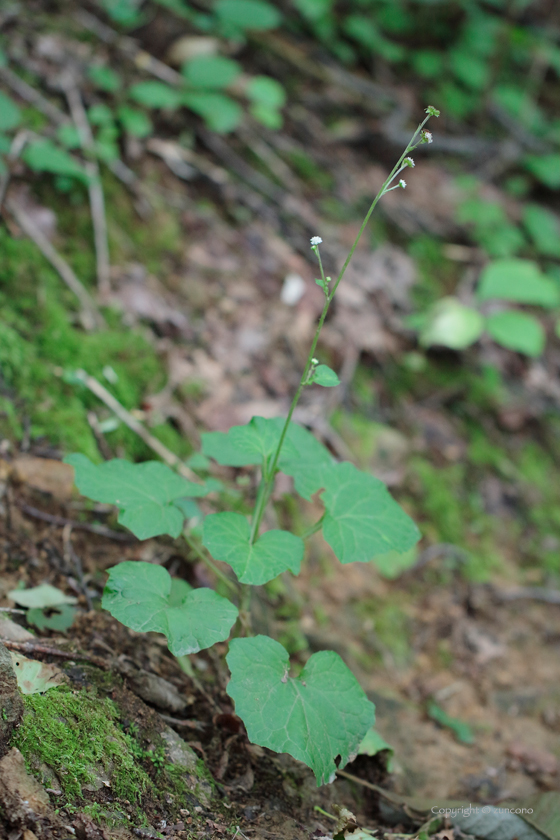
(99, 750)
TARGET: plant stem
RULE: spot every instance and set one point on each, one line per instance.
(313, 529)
(268, 474)
(210, 563)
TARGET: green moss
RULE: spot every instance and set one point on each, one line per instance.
(76, 735)
(39, 340)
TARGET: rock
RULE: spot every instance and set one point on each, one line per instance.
(21, 796)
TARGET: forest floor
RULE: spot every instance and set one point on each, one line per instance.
(210, 311)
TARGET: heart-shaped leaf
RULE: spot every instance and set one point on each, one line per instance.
(145, 493)
(362, 518)
(139, 595)
(227, 538)
(316, 717)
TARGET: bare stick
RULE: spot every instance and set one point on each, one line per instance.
(127, 418)
(95, 189)
(53, 519)
(90, 315)
(33, 649)
(17, 147)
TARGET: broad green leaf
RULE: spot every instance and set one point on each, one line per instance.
(100, 114)
(220, 113)
(517, 280)
(266, 91)
(546, 168)
(59, 618)
(306, 460)
(517, 331)
(302, 456)
(248, 14)
(42, 597)
(460, 729)
(44, 156)
(139, 595)
(178, 592)
(227, 538)
(105, 78)
(544, 813)
(145, 493)
(323, 375)
(154, 94)
(451, 324)
(267, 115)
(471, 70)
(373, 744)
(544, 229)
(35, 677)
(392, 564)
(135, 122)
(252, 443)
(362, 518)
(313, 9)
(10, 115)
(211, 71)
(316, 717)
(69, 136)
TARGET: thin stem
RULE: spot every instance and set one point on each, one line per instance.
(313, 529)
(210, 563)
(267, 480)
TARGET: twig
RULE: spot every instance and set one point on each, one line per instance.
(16, 148)
(70, 556)
(95, 427)
(95, 189)
(159, 448)
(90, 316)
(53, 519)
(45, 650)
(29, 94)
(532, 593)
(142, 59)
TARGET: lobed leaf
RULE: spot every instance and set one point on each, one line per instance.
(316, 717)
(141, 596)
(145, 493)
(227, 538)
(302, 456)
(362, 518)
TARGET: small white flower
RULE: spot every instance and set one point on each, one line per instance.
(402, 183)
(409, 162)
(316, 240)
(314, 361)
(427, 137)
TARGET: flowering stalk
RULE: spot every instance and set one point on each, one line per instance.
(420, 136)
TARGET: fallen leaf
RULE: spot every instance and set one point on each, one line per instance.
(43, 596)
(35, 677)
(45, 474)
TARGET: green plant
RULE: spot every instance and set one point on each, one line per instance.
(321, 714)
(450, 323)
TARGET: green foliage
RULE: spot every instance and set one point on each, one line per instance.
(211, 71)
(517, 331)
(154, 94)
(247, 15)
(450, 323)
(362, 519)
(10, 115)
(227, 536)
(145, 493)
(44, 156)
(517, 280)
(460, 729)
(139, 595)
(319, 715)
(323, 375)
